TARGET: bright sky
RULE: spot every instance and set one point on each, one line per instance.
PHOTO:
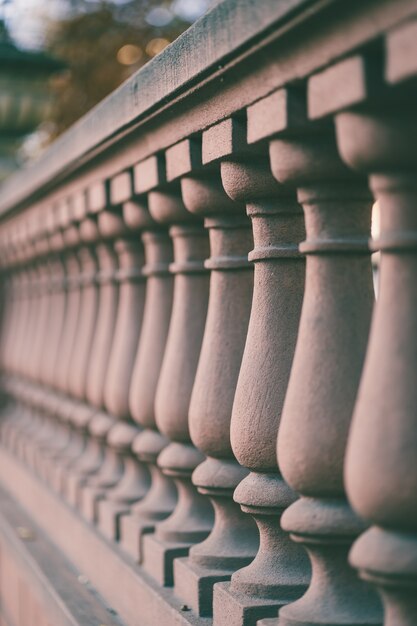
(26, 19)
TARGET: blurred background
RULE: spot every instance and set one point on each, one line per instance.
(58, 58)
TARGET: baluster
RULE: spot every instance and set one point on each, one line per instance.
(191, 519)
(17, 307)
(11, 306)
(82, 413)
(109, 468)
(378, 138)
(76, 414)
(107, 507)
(55, 326)
(233, 540)
(63, 239)
(279, 571)
(15, 300)
(161, 498)
(327, 364)
(32, 351)
(43, 344)
(61, 405)
(15, 275)
(90, 462)
(96, 425)
(11, 278)
(21, 276)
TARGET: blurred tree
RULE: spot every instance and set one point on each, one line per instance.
(102, 43)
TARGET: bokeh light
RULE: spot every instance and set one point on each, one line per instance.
(156, 45)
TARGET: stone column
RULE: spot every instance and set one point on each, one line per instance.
(191, 519)
(11, 294)
(327, 366)
(63, 240)
(78, 414)
(162, 495)
(16, 259)
(33, 351)
(58, 288)
(106, 506)
(81, 413)
(91, 460)
(233, 540)
(12, 280)
(378, 137)
(279, 571)
(61, 404)
(48, 334)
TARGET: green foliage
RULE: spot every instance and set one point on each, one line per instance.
(92, 42)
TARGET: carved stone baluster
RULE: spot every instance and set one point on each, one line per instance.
(107, 507)
(55, 331)
(91, 460)
(279, 571)
(30, 349)
(44, 342)
(19, 303)
(134, 483)
(81, 413)
(14, 277)
(379, 139)
(11, 295)
(192, 517)
(19, 244)
(17, 278)
(33, 351)
(58, 293)
(233, 540)
(61, 405)
(162, 495)
(63, 241)
(76, 414)
(11, 289)
(93, 426)
(27, 354)
(109, 468)
(327, 364)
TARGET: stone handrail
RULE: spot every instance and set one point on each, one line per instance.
(197, 380)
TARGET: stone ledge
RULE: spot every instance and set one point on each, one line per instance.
(116, 578)
(61, 592)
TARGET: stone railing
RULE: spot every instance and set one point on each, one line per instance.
(205, 414)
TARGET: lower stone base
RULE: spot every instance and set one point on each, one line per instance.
(235, 609)
(194, 585)
(73, 490)
(90, 497)
(39, 585)
(132, 531)
(158, 558)
(127, 593)
(58, 477)
(109, 514)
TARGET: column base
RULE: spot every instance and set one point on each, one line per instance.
(132, 531)
(194, 585)
(231, 608)
(74, 485)
(108, 516)
(158, 558)
(90, 497)
(57, 478)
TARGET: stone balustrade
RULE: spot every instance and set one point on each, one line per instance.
(205, 410)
